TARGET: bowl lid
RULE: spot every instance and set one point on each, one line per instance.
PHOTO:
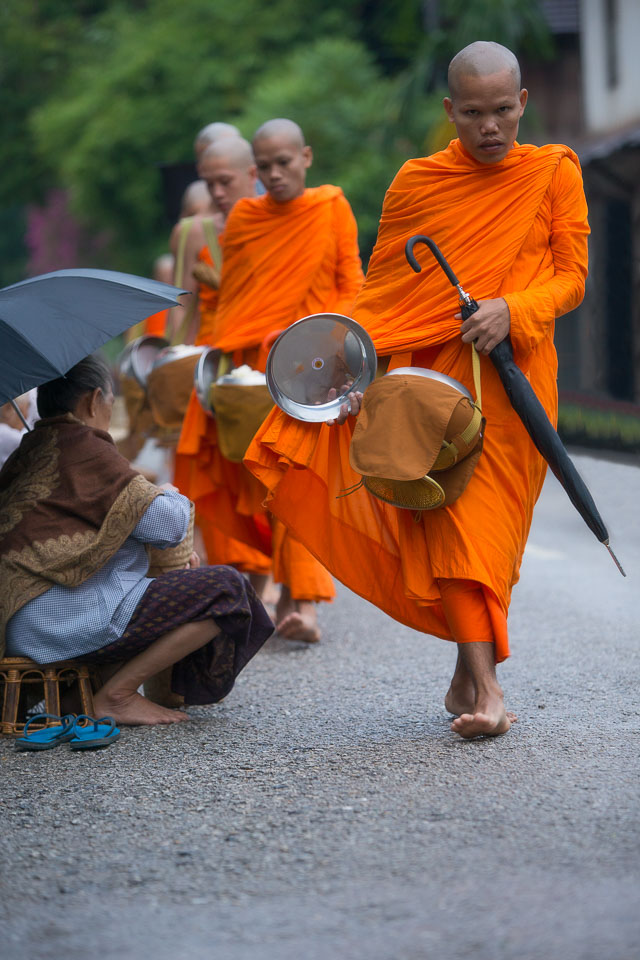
(137, 358)
(316, 362)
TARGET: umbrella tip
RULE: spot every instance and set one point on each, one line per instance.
(614, 558)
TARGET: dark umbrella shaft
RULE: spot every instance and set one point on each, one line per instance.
(533, 415)
(526, 404)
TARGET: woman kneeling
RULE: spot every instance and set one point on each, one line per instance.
(75, 526)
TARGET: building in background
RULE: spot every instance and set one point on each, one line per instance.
(588, 97)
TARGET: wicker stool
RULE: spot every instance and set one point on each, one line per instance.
(20, 677)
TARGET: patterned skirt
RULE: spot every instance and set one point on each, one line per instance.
(218, 593)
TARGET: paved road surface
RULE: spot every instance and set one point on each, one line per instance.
(326, 811)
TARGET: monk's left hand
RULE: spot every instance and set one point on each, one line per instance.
(193, 562)
(488, 326)
(351, 408)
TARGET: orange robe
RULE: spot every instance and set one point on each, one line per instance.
(515, 229)
(281, 262)
(192, 473)
(156, 325)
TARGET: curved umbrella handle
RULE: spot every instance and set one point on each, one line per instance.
(435, 250)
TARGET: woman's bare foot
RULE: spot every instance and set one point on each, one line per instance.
(134, 710)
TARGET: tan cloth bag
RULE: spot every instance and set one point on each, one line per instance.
(169, 389)
(239, 410)
(417, 441)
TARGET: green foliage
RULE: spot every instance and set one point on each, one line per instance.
(152, 78)
(97, 93)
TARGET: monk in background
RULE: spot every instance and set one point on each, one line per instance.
(287, 254)
(512, 220)
(199, 225)
(229, 172)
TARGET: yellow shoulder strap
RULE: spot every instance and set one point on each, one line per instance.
(475, 361)
(185, 226)
(213, 243)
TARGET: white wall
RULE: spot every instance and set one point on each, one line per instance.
(609, 107)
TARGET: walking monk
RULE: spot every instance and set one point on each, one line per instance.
(228, 168)
(286, 254)
(200, 223)
(512, 219)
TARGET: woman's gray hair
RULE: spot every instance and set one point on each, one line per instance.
(62, 395)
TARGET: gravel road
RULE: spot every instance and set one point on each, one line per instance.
(325, 810)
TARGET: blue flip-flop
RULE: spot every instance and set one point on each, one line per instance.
(97, 733)
(49, 737)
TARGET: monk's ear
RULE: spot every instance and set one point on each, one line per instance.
(307, 153)
(447, 103)
(523, 97)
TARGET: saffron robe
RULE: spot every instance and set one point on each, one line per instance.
(515, 229)
(281, 262)
(191, 467)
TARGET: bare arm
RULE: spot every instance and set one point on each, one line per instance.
(183, 274)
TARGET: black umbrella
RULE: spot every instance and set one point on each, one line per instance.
(50, 322)
(526, 404)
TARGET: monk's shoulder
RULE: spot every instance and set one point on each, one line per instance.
(244, 214)
(326, 193)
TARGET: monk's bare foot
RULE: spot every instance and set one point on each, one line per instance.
(301, 624)
(134, 710)
(490, 719)
(460, 698)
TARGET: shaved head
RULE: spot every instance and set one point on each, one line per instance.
(211, 133)
(280, 129)
(195, 199)
(163, 268)
(236, 151)
(229, 170)
(482, 59)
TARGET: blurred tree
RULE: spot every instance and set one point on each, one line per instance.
(36, 39)
(138, 93)
(98, 92)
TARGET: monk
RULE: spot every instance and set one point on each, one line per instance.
(197, 211)
(512, 219)
(228, 169)
(287, 254)
(211, 133)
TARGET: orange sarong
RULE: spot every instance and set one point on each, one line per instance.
(281, 262)
(515, 229)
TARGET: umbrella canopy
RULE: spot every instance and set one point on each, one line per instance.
(49, 323)
(526, 404)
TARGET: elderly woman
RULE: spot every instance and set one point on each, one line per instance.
(75, 524)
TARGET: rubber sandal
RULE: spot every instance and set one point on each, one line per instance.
(98, 733)
(49, 737)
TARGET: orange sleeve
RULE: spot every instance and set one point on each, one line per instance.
(534, 310)
(349, 275)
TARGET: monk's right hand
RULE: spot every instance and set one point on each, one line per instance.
(350, 408)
